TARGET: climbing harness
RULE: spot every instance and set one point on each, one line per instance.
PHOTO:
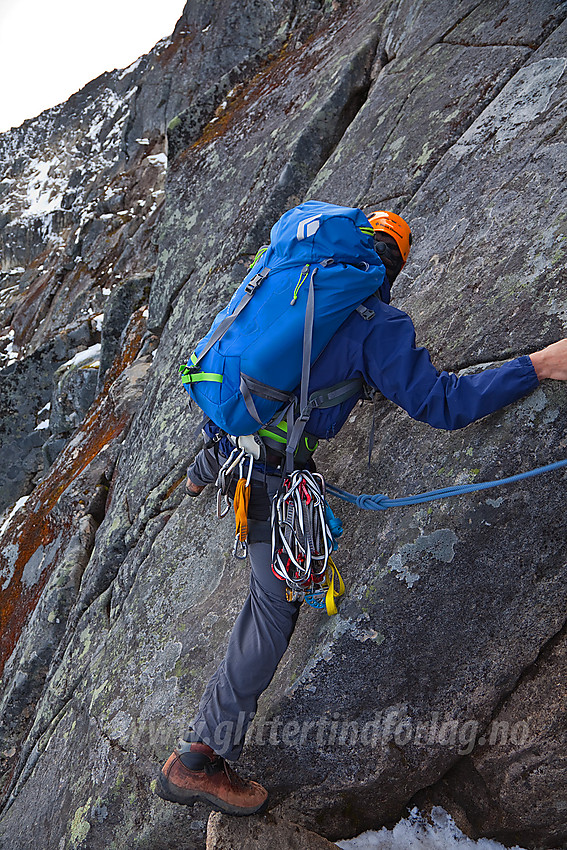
(303, 536)
(304, 529)
(380, 502)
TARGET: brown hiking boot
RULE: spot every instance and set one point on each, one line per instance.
(211, 781)
(192, 488)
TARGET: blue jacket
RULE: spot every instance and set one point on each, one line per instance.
(382, 351)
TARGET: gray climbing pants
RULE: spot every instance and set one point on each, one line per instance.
(258, 640)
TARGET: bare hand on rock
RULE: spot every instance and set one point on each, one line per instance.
(551, 362)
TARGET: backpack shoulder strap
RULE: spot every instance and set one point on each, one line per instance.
(328, 397)
(296, 428)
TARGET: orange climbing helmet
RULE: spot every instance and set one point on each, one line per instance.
(389, 222)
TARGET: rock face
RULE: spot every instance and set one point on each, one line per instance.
(261, 833)
(437, 682)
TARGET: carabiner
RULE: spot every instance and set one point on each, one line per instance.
(250, 465)
(222, 511)
(236, 461)
(240, 550)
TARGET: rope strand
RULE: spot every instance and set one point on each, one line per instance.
(381, 502)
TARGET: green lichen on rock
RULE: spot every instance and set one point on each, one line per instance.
(79, 826)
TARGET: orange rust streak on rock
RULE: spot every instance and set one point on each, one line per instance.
(135, 330)
(246, 95)
(173, 49)
(274, 73)
(38, 527)
(25, 317)
(174, 486)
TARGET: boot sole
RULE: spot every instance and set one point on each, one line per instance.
(186, 798)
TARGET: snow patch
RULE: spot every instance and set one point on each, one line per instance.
(130, 69)
(44, 193)
(163, 44)
(97, 321)
(88, 355)
(13, 510)
(5, 294)
(11, 550)
(158, 159)
(11, 352)
(108, 108)
(417, 833)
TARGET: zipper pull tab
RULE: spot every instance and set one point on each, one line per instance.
(300, 282)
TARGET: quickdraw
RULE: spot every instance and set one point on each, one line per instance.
(241, 497)
(241, 501)
(302, 541)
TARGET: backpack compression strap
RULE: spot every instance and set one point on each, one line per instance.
(250, 385)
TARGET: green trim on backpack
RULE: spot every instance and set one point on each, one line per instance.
(278, 434)
(189, 377)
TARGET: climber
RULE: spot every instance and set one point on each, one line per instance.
(377, 345)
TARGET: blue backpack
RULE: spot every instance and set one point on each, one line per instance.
(319, 267)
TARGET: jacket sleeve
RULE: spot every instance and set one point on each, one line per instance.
(405, 374)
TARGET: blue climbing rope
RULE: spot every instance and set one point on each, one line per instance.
(380, 502)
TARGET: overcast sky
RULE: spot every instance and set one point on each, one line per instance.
(51, 48)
